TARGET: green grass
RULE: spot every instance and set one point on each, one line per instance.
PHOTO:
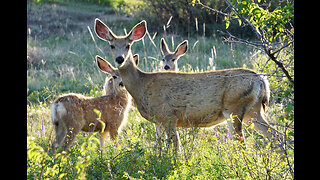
(64, 62)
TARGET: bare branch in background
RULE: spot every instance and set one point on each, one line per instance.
(262, 45)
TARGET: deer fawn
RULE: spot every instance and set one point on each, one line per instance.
(170, 59)
(108, 85)
(203, 99)
(71, 113)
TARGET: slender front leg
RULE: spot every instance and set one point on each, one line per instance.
(174, 135)
(230, 124)
(177, 143)
(103, 138)
(235, 125)
(160, 134)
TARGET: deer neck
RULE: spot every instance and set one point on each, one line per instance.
(131, 76)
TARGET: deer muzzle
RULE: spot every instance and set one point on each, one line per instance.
(119, 59)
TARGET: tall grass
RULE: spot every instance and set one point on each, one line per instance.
(65, 63)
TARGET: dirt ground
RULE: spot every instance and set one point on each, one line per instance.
(59, 19)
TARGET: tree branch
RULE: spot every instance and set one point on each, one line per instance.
(214, 10)
(232, 38)
(280, 64)
(245, 20)
(282, 47)
(264, 45)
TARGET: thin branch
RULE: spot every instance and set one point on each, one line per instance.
(232, 38)
(245, 20)
(280, 64)
(214, 10)
(283, 47)
(259, 33)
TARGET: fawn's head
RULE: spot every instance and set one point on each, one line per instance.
(170, 59)
(115, 82)
(120, 45)
(109, 84)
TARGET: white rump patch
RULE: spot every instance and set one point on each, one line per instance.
(57, 109)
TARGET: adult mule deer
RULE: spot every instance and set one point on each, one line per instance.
(72, 113)
(203, 99)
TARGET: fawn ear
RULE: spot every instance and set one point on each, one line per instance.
(164, 47)
(138, 31)
(103, 31)
(104, 65)
(182, 48)
(136, 59)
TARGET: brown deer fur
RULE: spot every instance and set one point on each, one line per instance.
(72, 113)
(204, 99)
(170, 59)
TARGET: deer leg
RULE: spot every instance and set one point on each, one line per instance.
(177, 143)
(103, 138)
(160, 134)
(173, 134)
(71, 134)
(235, 125)
(60, 134)
(114, 133)
(230, 124)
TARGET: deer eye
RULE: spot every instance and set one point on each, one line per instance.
(114, 77)
(163, 60)
(112, 46)
(173, 60)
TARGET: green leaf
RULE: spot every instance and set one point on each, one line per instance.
(252, 125)
(227, 24)
(97, 112)
(256, 10)
(289, 108)
(103, 125)
(94, 140)
(193, 2)
(239, 20)
(291, 133)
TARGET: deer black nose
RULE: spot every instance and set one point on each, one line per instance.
(119, 59)
(121, 84)
(166, 67)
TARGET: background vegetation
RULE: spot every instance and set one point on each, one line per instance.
(60, 59)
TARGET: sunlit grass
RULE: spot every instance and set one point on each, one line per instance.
(65, 63)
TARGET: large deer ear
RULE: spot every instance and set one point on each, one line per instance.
(164, 47)
(105, 66)
(103, 31)
(138, 31)
(136, 59)
(182, 48)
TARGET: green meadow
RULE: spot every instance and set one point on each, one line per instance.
(61, 50)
